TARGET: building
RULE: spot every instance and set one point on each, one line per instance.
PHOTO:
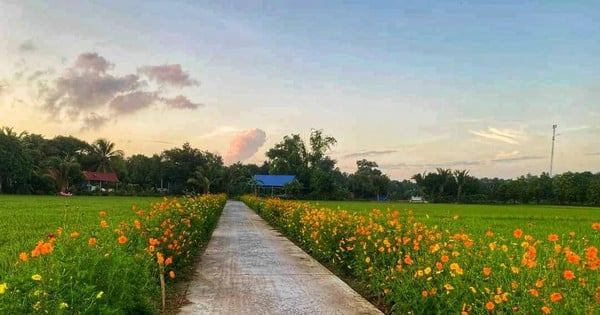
(272, 183)
(99, 181)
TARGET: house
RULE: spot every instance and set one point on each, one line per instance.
(95, 180)
(272, 183)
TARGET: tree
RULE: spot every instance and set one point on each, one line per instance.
(368, 181)
(444, 176)
(460, 176)
(104, 156)
(16, 166)
(65, 171)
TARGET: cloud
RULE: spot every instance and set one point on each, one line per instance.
(220, 131)
(503, 135)
(369, 153)
(92, 62)
(88, 88)
(181, 102)
(94, 121)
(132, 102)
(245, 145)
(3, 87)
(39, 73)
(167, 75)
(431, 165)
(503, 154)
(27, 46)
(518, 159)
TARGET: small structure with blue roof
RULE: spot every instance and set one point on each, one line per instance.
(273, 182)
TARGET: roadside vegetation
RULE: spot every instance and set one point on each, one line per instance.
(439, 259)
(76, 256)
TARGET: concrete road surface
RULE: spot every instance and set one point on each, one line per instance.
(249, 268)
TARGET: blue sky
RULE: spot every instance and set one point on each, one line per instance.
(410, 85)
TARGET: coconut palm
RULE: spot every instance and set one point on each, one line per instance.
(103, 153)
(461, 177)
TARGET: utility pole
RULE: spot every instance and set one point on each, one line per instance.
(552, 152)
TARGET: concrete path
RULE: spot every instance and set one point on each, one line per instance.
(249, 268)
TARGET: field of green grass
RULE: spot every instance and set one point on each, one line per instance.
(24, 220)
(537, 219)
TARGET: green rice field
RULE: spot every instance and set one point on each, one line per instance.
(24, 220)
(537, 219)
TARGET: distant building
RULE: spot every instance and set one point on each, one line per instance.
(96, 180)
(272, 183)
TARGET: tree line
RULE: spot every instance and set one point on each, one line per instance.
(32, 164)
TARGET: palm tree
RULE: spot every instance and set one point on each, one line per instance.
(64, 171)
(104, 153)
(461, 177)
(420, 180)
(200, 180)
(444, 176)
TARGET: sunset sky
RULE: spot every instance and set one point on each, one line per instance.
(412, 85)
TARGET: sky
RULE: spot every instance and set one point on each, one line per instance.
(411, 85)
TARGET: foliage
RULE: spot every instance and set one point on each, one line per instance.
(444, 266)
(112, 268)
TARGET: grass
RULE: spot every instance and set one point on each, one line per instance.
(477, 218)
(98, 255)
(26, 219)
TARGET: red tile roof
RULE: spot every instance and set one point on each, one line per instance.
(100, 177)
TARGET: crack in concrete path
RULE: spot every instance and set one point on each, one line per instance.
(248, 268)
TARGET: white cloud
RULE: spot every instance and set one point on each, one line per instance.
(503, 135)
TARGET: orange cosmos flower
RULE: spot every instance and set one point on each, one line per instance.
(172, 274)
(408, 260)
(424, 293)
(74, 234)
(591, 253)
(444, 258)
(596, 226)
(489, 234)
(555, 297)
(169, 260)
(539, 283)
(103, 224)
(489, 306)
(160, 259)
(102, 214)
(571, 234)
(138, 225)
(122, 239)
(573, 258)
(546, 310)
(553, 237)
(518, 233)
(534, 292)
(568, 274)
(92, 241)
(23, 257)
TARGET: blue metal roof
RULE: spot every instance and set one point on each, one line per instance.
(273, 180)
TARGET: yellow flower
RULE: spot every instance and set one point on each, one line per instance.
(63, 305)
(3, 288)
(427, 270)
(99, 295)
(36, 277)
(368, 260)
